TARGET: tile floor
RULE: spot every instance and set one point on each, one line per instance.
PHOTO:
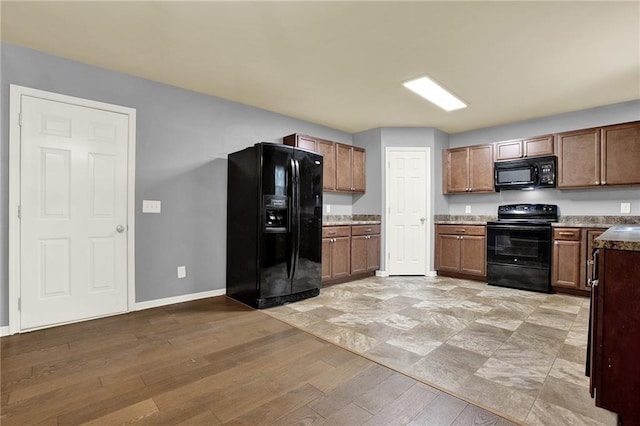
(520, 354)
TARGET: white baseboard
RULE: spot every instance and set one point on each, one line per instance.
(178, 299)
(4, 331)
(383, 274)
(431, 274)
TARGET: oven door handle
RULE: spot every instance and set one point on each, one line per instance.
(518, 228)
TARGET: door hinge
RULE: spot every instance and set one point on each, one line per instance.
(20, 119)
(19, 212)
(19, 303)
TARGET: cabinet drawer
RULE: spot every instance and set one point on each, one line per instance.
(365, 229)
(569, 234)
(336, 231)
(462, 229)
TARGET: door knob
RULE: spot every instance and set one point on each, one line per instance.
(422, 219)
(120, 228)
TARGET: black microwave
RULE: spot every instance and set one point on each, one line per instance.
(525, 173)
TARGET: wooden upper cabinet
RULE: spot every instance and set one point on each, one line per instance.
(343, 165)
(508, 150)
(578, 158)
(468, 169)
(481, 168)
(358, 167)
(328, 151)
(620, 160)
(603, 156)
(538, 147)
(531, 147)
(456, 170)
(350, 168)
(307, 142)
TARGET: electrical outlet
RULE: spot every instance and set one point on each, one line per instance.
(328, 208)
(625, 207)
(467, 209)
(151, 206)
(182, 271)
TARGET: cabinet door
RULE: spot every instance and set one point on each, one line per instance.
(373, 253)
(481, 168)
(358, 254)
(566, 264)
(340, 257)
(326, 259)
(328, 151)
(307, 142)
(538, 147)
(448, 252)
(473, 259)
(343, 167)
(578, 158)
(621, 154)
(358, 170)
(456, 170)
(508, 150)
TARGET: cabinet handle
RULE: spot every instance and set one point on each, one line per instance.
(597, 182)
(565, 233)
(604, 182)
(332, 232)
(589, 262)
(555, 243)
(461, 230)
(367, 230)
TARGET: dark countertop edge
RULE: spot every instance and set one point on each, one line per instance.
(621, 237)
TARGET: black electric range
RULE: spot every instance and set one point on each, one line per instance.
(519, 246)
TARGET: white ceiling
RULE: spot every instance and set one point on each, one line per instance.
(341, 64)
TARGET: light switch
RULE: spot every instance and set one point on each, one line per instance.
(328, 208)
(151, 206)
(467, 209)
(625, 207)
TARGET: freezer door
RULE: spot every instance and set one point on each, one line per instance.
(307, 222)
(275, 244)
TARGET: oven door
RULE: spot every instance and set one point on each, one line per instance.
(519, 245)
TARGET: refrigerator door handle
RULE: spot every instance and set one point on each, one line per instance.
(295, 231)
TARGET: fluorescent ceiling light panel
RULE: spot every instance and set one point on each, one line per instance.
(432, 92)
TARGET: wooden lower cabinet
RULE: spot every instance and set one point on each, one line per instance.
(572, 263)
(349, 251)
(336, 242)
(365, 248)
(565, 266)
(615, 335)
(461, 249)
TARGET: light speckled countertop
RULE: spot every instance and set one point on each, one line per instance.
(356, 219)
(620, 237)
(350, 222)
(603, 222)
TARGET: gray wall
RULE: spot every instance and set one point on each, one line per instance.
(599, 201)
(183, 139)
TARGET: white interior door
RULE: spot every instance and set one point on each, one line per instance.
(407, 218)
(73, 212)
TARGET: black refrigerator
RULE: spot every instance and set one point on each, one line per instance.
(274, 225)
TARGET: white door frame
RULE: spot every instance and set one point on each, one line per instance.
(15, 101)
(387, 207)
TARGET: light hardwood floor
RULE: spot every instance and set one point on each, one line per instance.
(212, 361)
